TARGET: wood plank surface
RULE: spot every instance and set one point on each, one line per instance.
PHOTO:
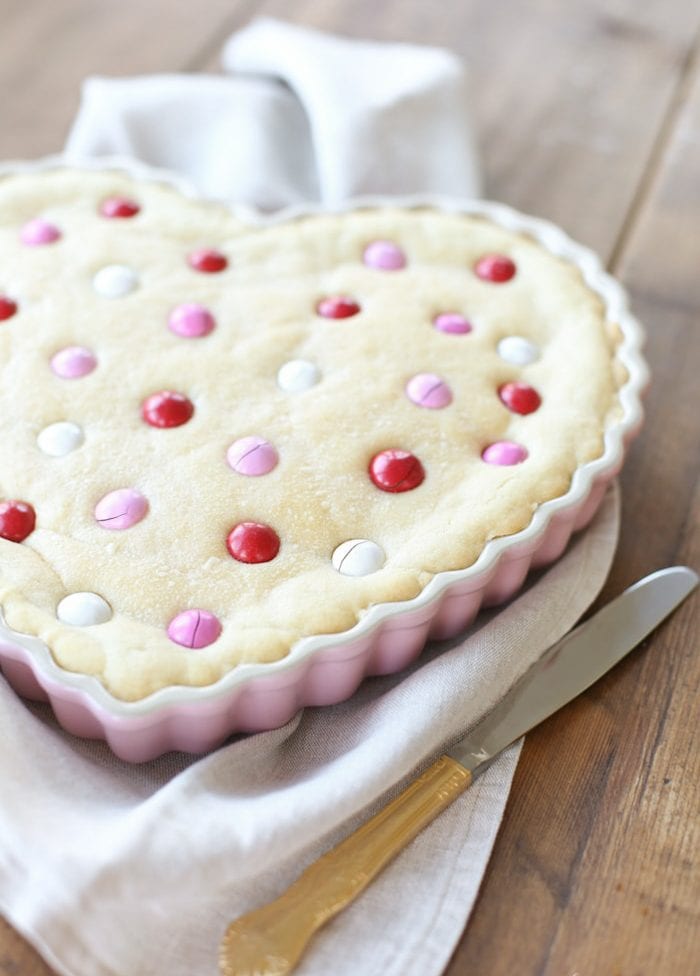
(596, 868)
(588, 114)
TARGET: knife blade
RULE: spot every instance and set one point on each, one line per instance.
(574, 663)
(270, 940)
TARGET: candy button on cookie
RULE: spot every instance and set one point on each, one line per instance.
(253, 542)
(428, 390)
(384, 256)
(504, 453)
(358, 557)
(191, 321)
(167, 409)
(60, 438)
(8, 308)
(83, 609)
(495, 267)
(37, 232)
(298, 375)
(115, 281)
(119, 207)
(396, 471)
(194, 628)
(337, 307)
(453, 323)
(518, 350)
(207, 260)
(520, 397)
(121, 509)
(252, 456)
(17, 520)
(73, 362)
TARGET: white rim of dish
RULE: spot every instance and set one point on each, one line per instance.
(553, 239)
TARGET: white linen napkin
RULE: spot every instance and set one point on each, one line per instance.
(306, 116)
(118, 870)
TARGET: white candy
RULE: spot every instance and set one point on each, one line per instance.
(60, 438)
(114, 281)
(518, 351)
(298, 375)
(358, 557)
(83, 610)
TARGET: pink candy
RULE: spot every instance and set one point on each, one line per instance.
(428, 390)
(121, 509)
(252, 456)
(38, 231)
(72, 362)
(194, 628)
(452, 322)
(504, 453)
(384, 256)
(191, 321)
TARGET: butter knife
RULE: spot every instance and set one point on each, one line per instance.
(270, 940)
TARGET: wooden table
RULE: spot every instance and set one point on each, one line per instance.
(588, 114)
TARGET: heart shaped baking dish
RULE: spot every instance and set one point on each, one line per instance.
(295, 293)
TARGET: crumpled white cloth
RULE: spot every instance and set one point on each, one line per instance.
(305, 116)
(118, 870)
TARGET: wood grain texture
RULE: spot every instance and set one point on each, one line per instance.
(588, 114)
(46, 49)
(596, 866)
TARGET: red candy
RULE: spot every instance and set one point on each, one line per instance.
(120, 207)
(207, 260)
(520, 397)
(166, 409)
(253, 542)
(495, 267)
(7, 308)
(17, 521)
(396, 471)
(337, 307)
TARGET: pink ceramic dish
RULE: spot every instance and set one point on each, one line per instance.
(325, 669)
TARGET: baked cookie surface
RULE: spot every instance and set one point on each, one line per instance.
(217, 439)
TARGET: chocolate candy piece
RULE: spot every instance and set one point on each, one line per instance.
(358, 557)
(191, 321)
(298, 375)
(167, 409)
(115, 281)
(121, 509)
(518, 351)
(60, 438)
(453, 323)
(253, 542)
(520, 397)
(428, 390)
(73, 362)
(119, 207)
(252, 456)
(396, 471)
(384, 256)
(497, 268)
(83, 609)
(194, 628)
(17, 520)
(37, 232)
(504, 453)
(207, 260)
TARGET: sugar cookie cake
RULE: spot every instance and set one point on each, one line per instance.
(219, 438)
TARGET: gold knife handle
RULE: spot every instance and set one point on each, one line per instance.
(270, 940)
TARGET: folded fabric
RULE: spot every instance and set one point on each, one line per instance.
(117, 870)
(304, 117)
